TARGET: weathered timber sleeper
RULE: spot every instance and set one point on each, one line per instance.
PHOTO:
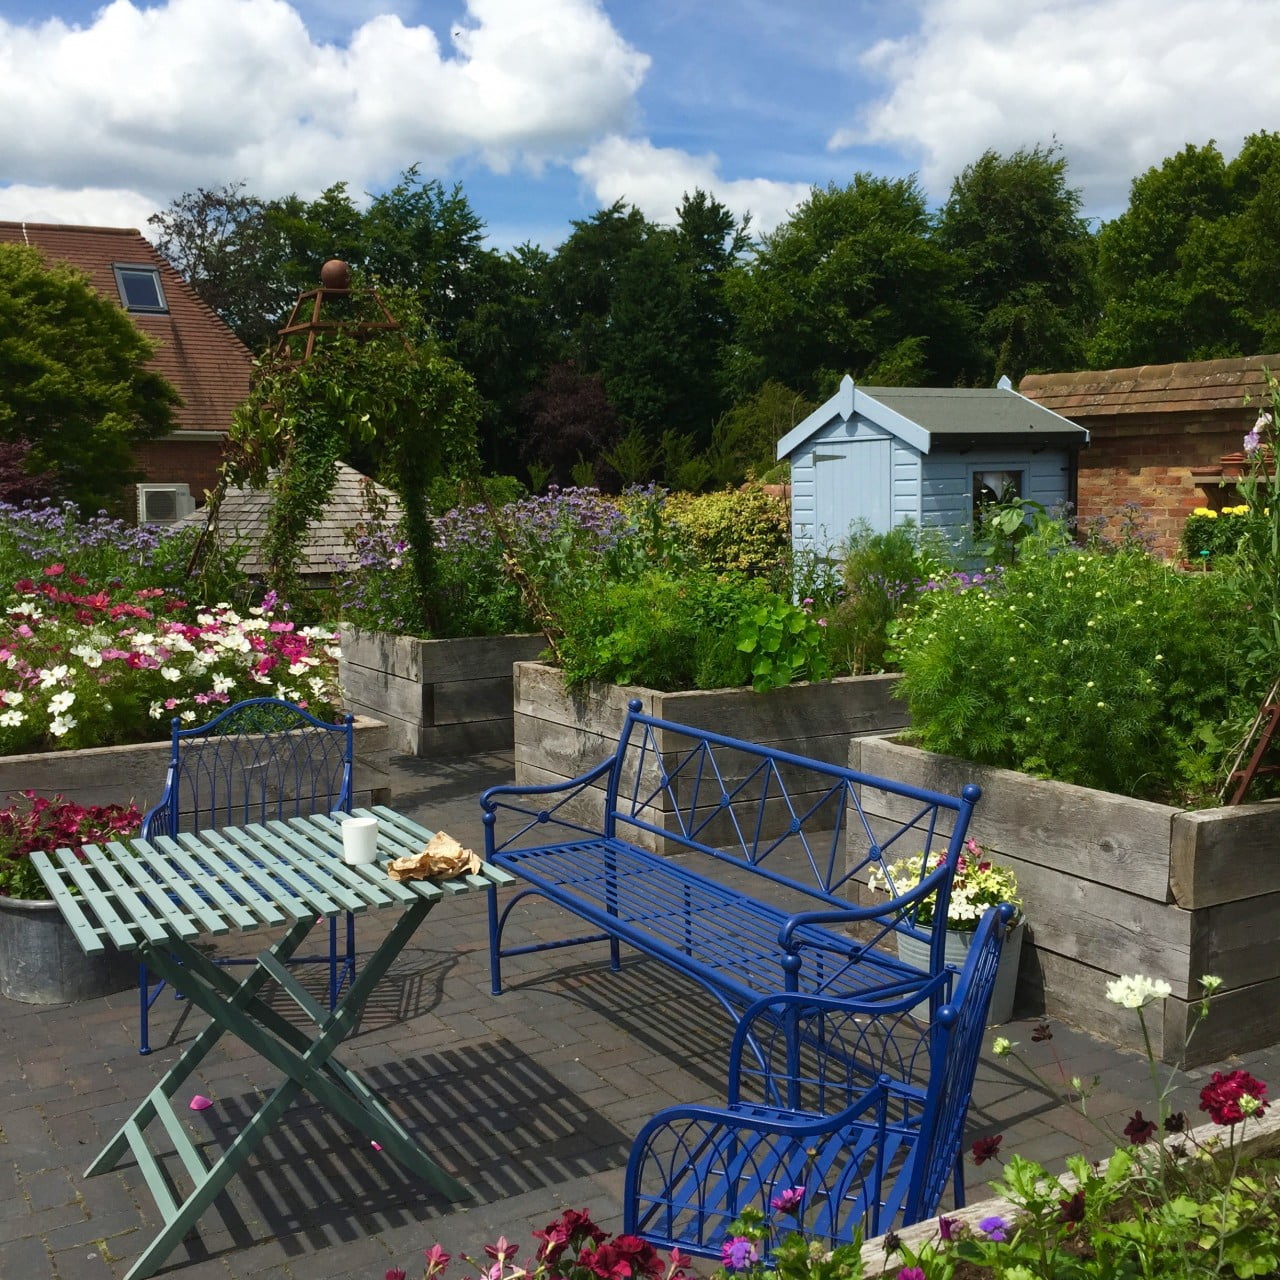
(755, 896)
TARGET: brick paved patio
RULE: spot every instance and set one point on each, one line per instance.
(531, 1098)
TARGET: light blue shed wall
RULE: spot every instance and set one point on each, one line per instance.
(946, 489)
(850, 470)
(833, 482)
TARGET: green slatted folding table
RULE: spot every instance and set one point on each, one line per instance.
(157, 896)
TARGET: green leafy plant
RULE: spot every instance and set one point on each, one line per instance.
(784, 643)
(883, 574)
(1210, 533)
(1110, 671)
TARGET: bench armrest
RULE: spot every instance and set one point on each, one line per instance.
(891, 912)
(508, 796)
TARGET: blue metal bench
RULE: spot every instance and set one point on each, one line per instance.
(852, 1100)
(257, 760)
(763, 905)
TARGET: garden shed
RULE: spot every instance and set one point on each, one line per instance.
(929, 454)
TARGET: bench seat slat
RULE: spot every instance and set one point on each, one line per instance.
(715, 933)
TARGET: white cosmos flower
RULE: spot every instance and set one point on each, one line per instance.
(11, 697)
(187, 716)
(1133, 992)
(61, 724)
(223, 684)
(61, 702)
(156, 710)
(11, 719)
(52, 676)
(172, 674)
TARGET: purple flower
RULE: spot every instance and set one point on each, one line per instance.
(911, 1273)
(738, 1253)
(948, 1227)
(994, 1228)
(788, 1200)
(1252, 441)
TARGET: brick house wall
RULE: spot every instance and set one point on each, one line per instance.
(193, 462)
(1157, 435)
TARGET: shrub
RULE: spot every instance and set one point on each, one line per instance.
(1110, 671)
(735, 530)
(661, 631)
(883, 573)
(1210, 533)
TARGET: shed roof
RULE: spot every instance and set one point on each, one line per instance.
(921, 415)
(198, 353)
(1194, 385)
(244, 513)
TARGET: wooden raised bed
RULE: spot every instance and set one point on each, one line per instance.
(439, 698)
(1117, 886)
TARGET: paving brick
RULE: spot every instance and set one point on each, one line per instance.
(531, 1099)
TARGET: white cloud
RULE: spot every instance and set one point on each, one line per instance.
(194, 92)
(1120, 83)
(655, 178)
(86, 206)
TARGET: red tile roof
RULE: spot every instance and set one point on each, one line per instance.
(198, 353)
(1197, 385)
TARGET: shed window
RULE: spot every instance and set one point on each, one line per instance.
(140, 288)
(994, 487)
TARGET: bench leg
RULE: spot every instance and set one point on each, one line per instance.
(495, 943)
(615, 955)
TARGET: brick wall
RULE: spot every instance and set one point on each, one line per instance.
(191, 462)
(1147, 459)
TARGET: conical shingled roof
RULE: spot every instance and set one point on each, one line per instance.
(244, 513)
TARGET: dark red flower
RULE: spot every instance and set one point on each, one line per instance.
(1072, 1208)
(987, 1148)
(52, 571)
(1139, 1130)
(606, 1262)
(1175, 1122)
(948, 1227)
(1221, 1096)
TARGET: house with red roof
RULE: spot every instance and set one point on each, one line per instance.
(197, 353)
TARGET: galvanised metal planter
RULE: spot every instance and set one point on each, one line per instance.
(42, 963)
(915, 952)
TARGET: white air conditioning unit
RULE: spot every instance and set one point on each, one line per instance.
(164, 503)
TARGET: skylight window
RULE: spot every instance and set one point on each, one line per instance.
(140, 288)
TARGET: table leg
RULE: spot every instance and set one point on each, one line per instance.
(308, 1063)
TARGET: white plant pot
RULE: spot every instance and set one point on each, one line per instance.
(916, 953)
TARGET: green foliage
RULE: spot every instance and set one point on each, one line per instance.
(631, 458)
(744, 441)
(74, 382)
(1027, 261)
(852, 283)
(448, 492)
(1209, 534)
(1188, 271)
(734, 530)
(401, 407)
(784, 643)
(883, 574)
(1115, 672)
(661, 630)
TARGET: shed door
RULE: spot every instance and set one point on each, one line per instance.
(851, 481)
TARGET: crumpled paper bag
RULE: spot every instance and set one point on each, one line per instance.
(441, 856)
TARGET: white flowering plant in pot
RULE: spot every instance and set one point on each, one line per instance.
(978, 883)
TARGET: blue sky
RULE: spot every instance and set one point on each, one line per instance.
(547, 110)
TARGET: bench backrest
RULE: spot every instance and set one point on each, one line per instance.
(257, 760)
(797, 821)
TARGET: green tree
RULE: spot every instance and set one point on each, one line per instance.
(1189, 270)
(1026, 260)
(74, 382)
(853, 282)
(390, 401)
(220, 240)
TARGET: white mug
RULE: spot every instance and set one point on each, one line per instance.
(359, 840)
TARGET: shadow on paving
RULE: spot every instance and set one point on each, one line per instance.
(490, 1115)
